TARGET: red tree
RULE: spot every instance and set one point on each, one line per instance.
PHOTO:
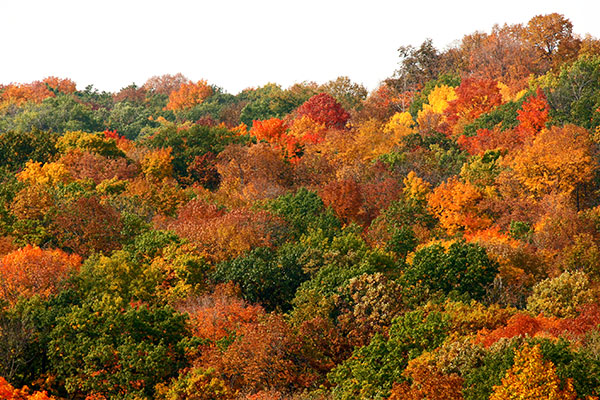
(533, 115)
(324, 109)
(475, 97)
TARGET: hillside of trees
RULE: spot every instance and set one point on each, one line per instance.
(436, 238)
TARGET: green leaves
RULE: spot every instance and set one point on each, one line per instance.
(464, 268)
(264, 276)
(371, 370)
(117, 349)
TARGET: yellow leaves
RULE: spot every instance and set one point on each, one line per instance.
(509, 94)
(371, 139)
(415, 188)
(304, 126)
(48, 174)
(400, 125)
(431, 114)
(157, 164)
(532, 378)
(439, 98)
(96, 142)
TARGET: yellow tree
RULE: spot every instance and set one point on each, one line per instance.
(158, 164)
(438, 99)
(415, 188)
(47, 174)
(432, 114)
(532, 378)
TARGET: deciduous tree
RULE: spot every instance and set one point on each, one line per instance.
(531, 377)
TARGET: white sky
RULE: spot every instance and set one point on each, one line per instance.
(242, 43)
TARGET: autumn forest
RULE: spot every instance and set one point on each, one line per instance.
(435, 238)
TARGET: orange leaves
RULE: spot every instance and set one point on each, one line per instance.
(61, 85)
(457, 205)
(265, 355)
(427, 382)
(526, 325)
(272, 130)
(490, 139)
(36, 91)
(189, 95)
(558, 160)
(221, 314)
(8, 392)
(221, 235)
(518, 325)
(31, 270)
(275, 131)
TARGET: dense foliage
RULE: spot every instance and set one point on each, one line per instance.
(437, 238)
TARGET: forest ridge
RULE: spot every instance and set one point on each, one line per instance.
(436, 238)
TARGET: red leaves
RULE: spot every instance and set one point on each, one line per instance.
(532, 119)
(527, 325)
(324, 109)
(533, 115)
(475, 97)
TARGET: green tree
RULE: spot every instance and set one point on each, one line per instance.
(265, 276)
(464, 268)
(304, 210)
(109, 347)
(372, 370)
